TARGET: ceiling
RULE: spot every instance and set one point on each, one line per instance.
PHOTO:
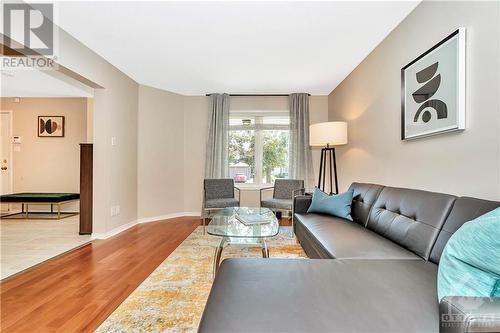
(35, 83)
(194, 48)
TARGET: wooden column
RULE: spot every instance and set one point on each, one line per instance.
(86, 178)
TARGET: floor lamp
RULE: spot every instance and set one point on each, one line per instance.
(328, 135)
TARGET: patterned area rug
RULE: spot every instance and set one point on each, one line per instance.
(173, 297)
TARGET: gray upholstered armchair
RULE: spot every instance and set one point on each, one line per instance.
(284, 190)
(218, 194)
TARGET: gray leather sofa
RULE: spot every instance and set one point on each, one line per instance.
(376, 274)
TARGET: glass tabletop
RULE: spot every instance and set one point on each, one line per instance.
(225, 224)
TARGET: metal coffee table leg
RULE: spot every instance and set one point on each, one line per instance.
(225, 240)
(218, 255)
(265, 249)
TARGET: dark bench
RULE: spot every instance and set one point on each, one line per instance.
(26, 199)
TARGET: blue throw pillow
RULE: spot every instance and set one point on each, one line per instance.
(470, 263)
(337, 205)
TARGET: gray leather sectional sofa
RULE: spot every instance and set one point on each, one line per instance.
(376, 274)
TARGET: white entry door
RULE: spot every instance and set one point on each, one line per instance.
(6, 152)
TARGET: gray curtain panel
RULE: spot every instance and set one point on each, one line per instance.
(216, 163)
(300, 151)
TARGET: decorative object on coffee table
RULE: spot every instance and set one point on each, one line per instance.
(433, 90)
(328, 135)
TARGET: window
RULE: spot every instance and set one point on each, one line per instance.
(258, 146)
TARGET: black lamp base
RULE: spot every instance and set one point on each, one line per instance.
(328, 160)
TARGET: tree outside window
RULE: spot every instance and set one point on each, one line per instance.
(275, 156)
(258, 148)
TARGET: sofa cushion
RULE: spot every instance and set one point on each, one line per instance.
(363, 199)
(324, 236)
(470, 264)
(311, 246)
(338, 205)
(464, 209)
(411, 218)
(287, 295)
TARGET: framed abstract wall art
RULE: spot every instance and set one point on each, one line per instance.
(51, 126)
(433, 90)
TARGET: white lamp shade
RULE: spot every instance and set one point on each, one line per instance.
(333, 133)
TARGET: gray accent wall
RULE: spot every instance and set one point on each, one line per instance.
(369, 99)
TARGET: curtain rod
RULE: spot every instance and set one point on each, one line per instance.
(258, 95)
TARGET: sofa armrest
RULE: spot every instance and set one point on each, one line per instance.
(469, 314)
(301, 203)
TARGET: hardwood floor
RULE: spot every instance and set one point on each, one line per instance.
(79, 290)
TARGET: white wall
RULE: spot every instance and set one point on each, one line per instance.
(115, 115)
(195, 133)
(462, 163)
(160, 153)
(318, 113)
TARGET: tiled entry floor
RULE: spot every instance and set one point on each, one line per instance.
(25, 243)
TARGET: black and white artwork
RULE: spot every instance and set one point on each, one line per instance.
(433, 90)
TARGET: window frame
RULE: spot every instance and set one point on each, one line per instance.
(259, 127)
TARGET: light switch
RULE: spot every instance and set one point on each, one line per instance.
(113, 141)
(115, 210)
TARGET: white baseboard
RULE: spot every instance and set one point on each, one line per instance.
(198, 214)
(117, 230)
(114, 231)
(166, 217)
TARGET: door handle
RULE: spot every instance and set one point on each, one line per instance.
(4, 168)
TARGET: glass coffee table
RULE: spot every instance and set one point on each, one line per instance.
(224, 224)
